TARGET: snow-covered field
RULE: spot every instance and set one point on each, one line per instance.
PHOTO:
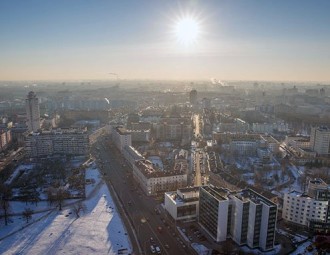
(98, 230)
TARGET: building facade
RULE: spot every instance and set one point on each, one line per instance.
(309, 209)
(121, 137)
(320, 140)
(154, 181)
(245, 216)
(60, 141)
(32, 112)
(183, 203)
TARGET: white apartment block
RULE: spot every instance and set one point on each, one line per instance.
(245, 216)
(121, 137)
(253, 219)
(320, 140)
(309, 208)
(32, 112)
(183, 203)
(60, 141)
(155, 181)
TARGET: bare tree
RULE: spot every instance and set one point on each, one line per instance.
(5, 195)
(60, 196)
(27, 214)
(78, 207)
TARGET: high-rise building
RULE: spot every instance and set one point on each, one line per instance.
(245, 216)
(32, 112)
(193, 97)
(320, 140)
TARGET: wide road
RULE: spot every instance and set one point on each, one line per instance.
(138, 206)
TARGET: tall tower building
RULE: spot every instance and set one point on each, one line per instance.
(193, 97)
(32, 112)
(320, 140)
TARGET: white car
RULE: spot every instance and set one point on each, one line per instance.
(158, 250)
(152, 249)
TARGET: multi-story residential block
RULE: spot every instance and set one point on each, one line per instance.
(183, 203)
(155, 181)
(253, 219)
(132, 155)
(234, 125)
(213, 212)
(121, 137)
(244, 147)
(298, 142)
(174, 128)
(5, 139)
(139, 135)
(245, 216)
(320, 140)
(310, 209)
(270, 127)
(32, 112)
(60, 141)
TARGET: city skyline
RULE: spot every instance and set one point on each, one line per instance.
(238, 40)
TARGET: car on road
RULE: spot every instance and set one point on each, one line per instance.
(158, 250)
(166, 246)
(152, 249)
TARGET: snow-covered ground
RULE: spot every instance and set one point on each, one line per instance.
(301, 249)
(21, 168)
(98, 230)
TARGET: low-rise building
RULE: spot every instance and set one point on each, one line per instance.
(183, 203)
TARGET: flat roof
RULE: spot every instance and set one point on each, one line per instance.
(218, 193)
(248, 194)
(122, 131)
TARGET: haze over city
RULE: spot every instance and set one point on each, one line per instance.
(234, 40)
(185, 127)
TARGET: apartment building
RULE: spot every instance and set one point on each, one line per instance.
(173, 128)
(59, 141)
(320, 140)
(253, 219)
(245, 216)
(5, 139)
(121, 137)
(310, 209)
(32, 112)
(154, 181)
(132, 155)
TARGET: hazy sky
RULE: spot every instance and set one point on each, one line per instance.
(239, 39)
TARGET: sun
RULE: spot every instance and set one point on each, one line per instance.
(187, 30)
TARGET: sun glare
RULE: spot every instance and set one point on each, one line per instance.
(187, 30)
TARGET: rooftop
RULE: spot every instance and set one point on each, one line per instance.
(146, 167)
(218, 193)
(246, 195)
(122, 131)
